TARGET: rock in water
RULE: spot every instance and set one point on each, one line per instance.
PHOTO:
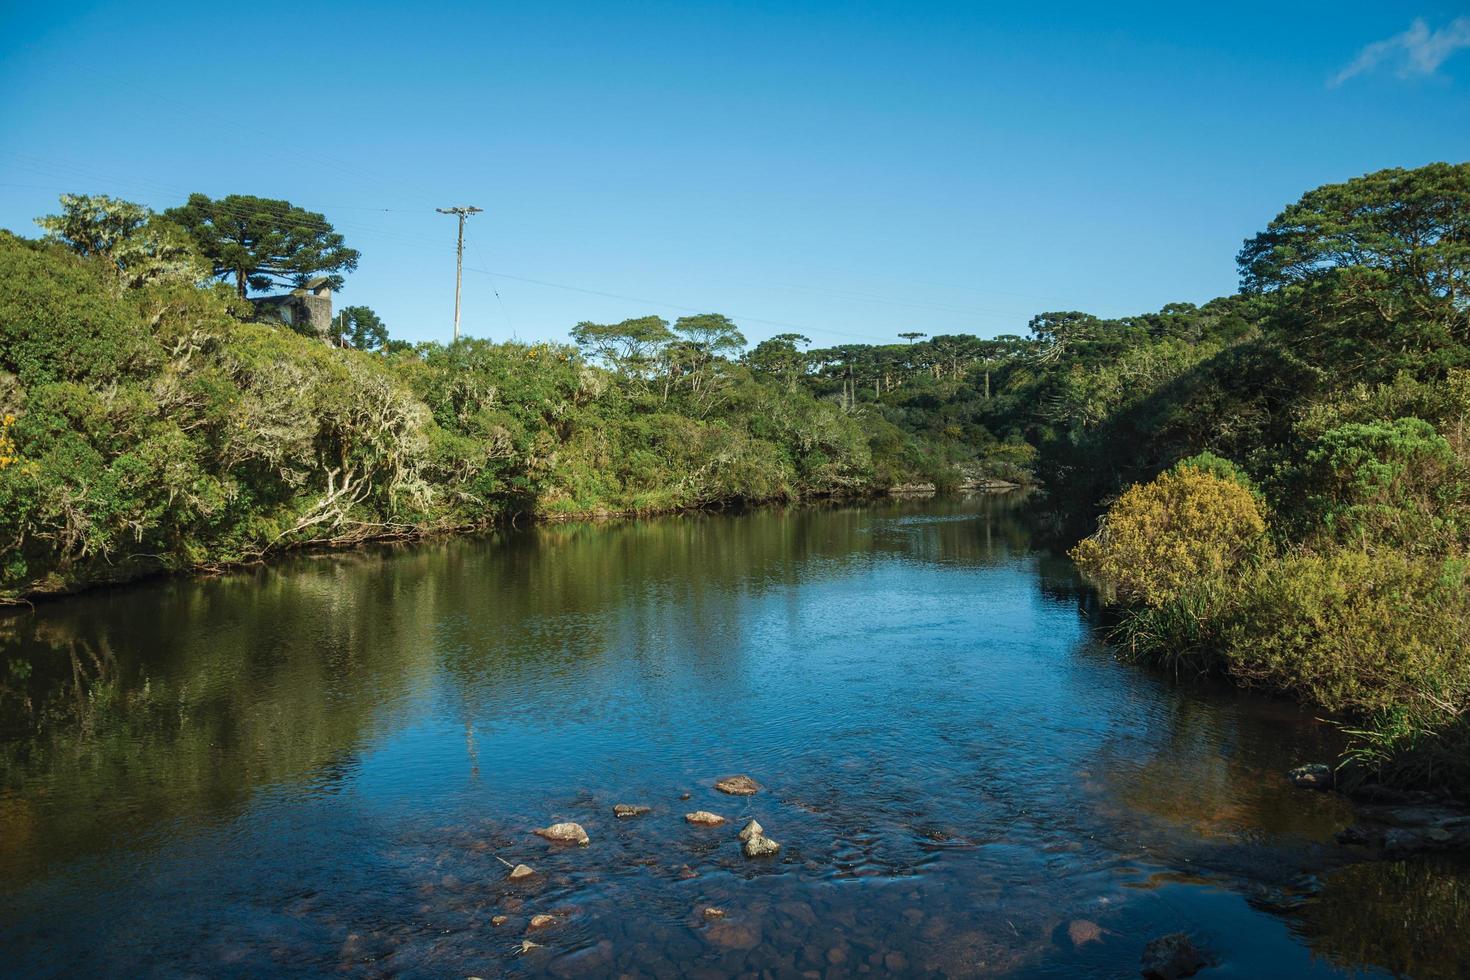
(738, 786)
(758, 845)
(521, 871)
(1315, 776)
(714, 913)
(752, 829)
(704, 818)
(1172, 957)
(499, 920)
(542, 921)
(565, 833)
(624, 810)
(1084, 931)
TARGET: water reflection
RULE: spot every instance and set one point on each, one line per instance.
(315, 766)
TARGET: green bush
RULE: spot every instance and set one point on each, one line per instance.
(1368, 634)
(1164, 538)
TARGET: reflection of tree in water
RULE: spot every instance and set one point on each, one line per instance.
(1408, 917)
(185, 697)
(1211, 764)
(61, 678)
(181, 699)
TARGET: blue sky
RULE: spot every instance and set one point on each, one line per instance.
(848, 170)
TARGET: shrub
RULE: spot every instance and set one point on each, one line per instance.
(1357, 632)
(59, 319)
(1162, 538)
(1397, 483)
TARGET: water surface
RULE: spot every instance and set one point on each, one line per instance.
(319, 766)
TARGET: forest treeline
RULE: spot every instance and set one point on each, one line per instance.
(150, 422)
(1282, 474)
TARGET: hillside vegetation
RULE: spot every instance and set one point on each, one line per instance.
(149, 424)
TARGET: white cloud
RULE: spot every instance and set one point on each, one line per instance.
(1417, 51)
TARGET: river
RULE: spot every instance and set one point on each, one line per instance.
(318, 766)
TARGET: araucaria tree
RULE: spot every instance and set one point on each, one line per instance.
(360, 328)
(260, 243)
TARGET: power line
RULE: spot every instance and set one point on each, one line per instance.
(509, 327)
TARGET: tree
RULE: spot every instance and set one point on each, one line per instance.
(632, 346)
(712, 334)
(1412, 224)
(260, 243)
(359, 327)
(912, 335)
(780, 357)
(1060, 331)
(138, 245)
(1371, 276)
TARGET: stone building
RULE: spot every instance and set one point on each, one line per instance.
(307, 310)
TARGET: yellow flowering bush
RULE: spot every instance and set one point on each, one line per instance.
(1187, 527)
(8, 453)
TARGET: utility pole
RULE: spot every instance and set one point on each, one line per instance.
(463, 212)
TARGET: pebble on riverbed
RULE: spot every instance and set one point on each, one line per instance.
(738, 786)
(704, 818)
(758, 845)
(565, 833)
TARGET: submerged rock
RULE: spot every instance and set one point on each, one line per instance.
(758, 845)
(1403, 830)
(625, 810)
(1172, 957)
(499, 920)
(565, 833)
(1084, 931)
(521, 871)
(1314, 776)
(543, 921)
(526, 946)
(732, 934)
(704, 818)
(711, 912)
(738, 786)
(752, 829)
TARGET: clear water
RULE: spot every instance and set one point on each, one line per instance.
(316, 767)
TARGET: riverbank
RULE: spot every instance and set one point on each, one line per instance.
(370, 537)
(153, 427)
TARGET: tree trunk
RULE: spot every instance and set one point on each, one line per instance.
(240, 282)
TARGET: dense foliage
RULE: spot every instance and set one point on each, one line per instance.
(152, 426)
(1345, 400)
